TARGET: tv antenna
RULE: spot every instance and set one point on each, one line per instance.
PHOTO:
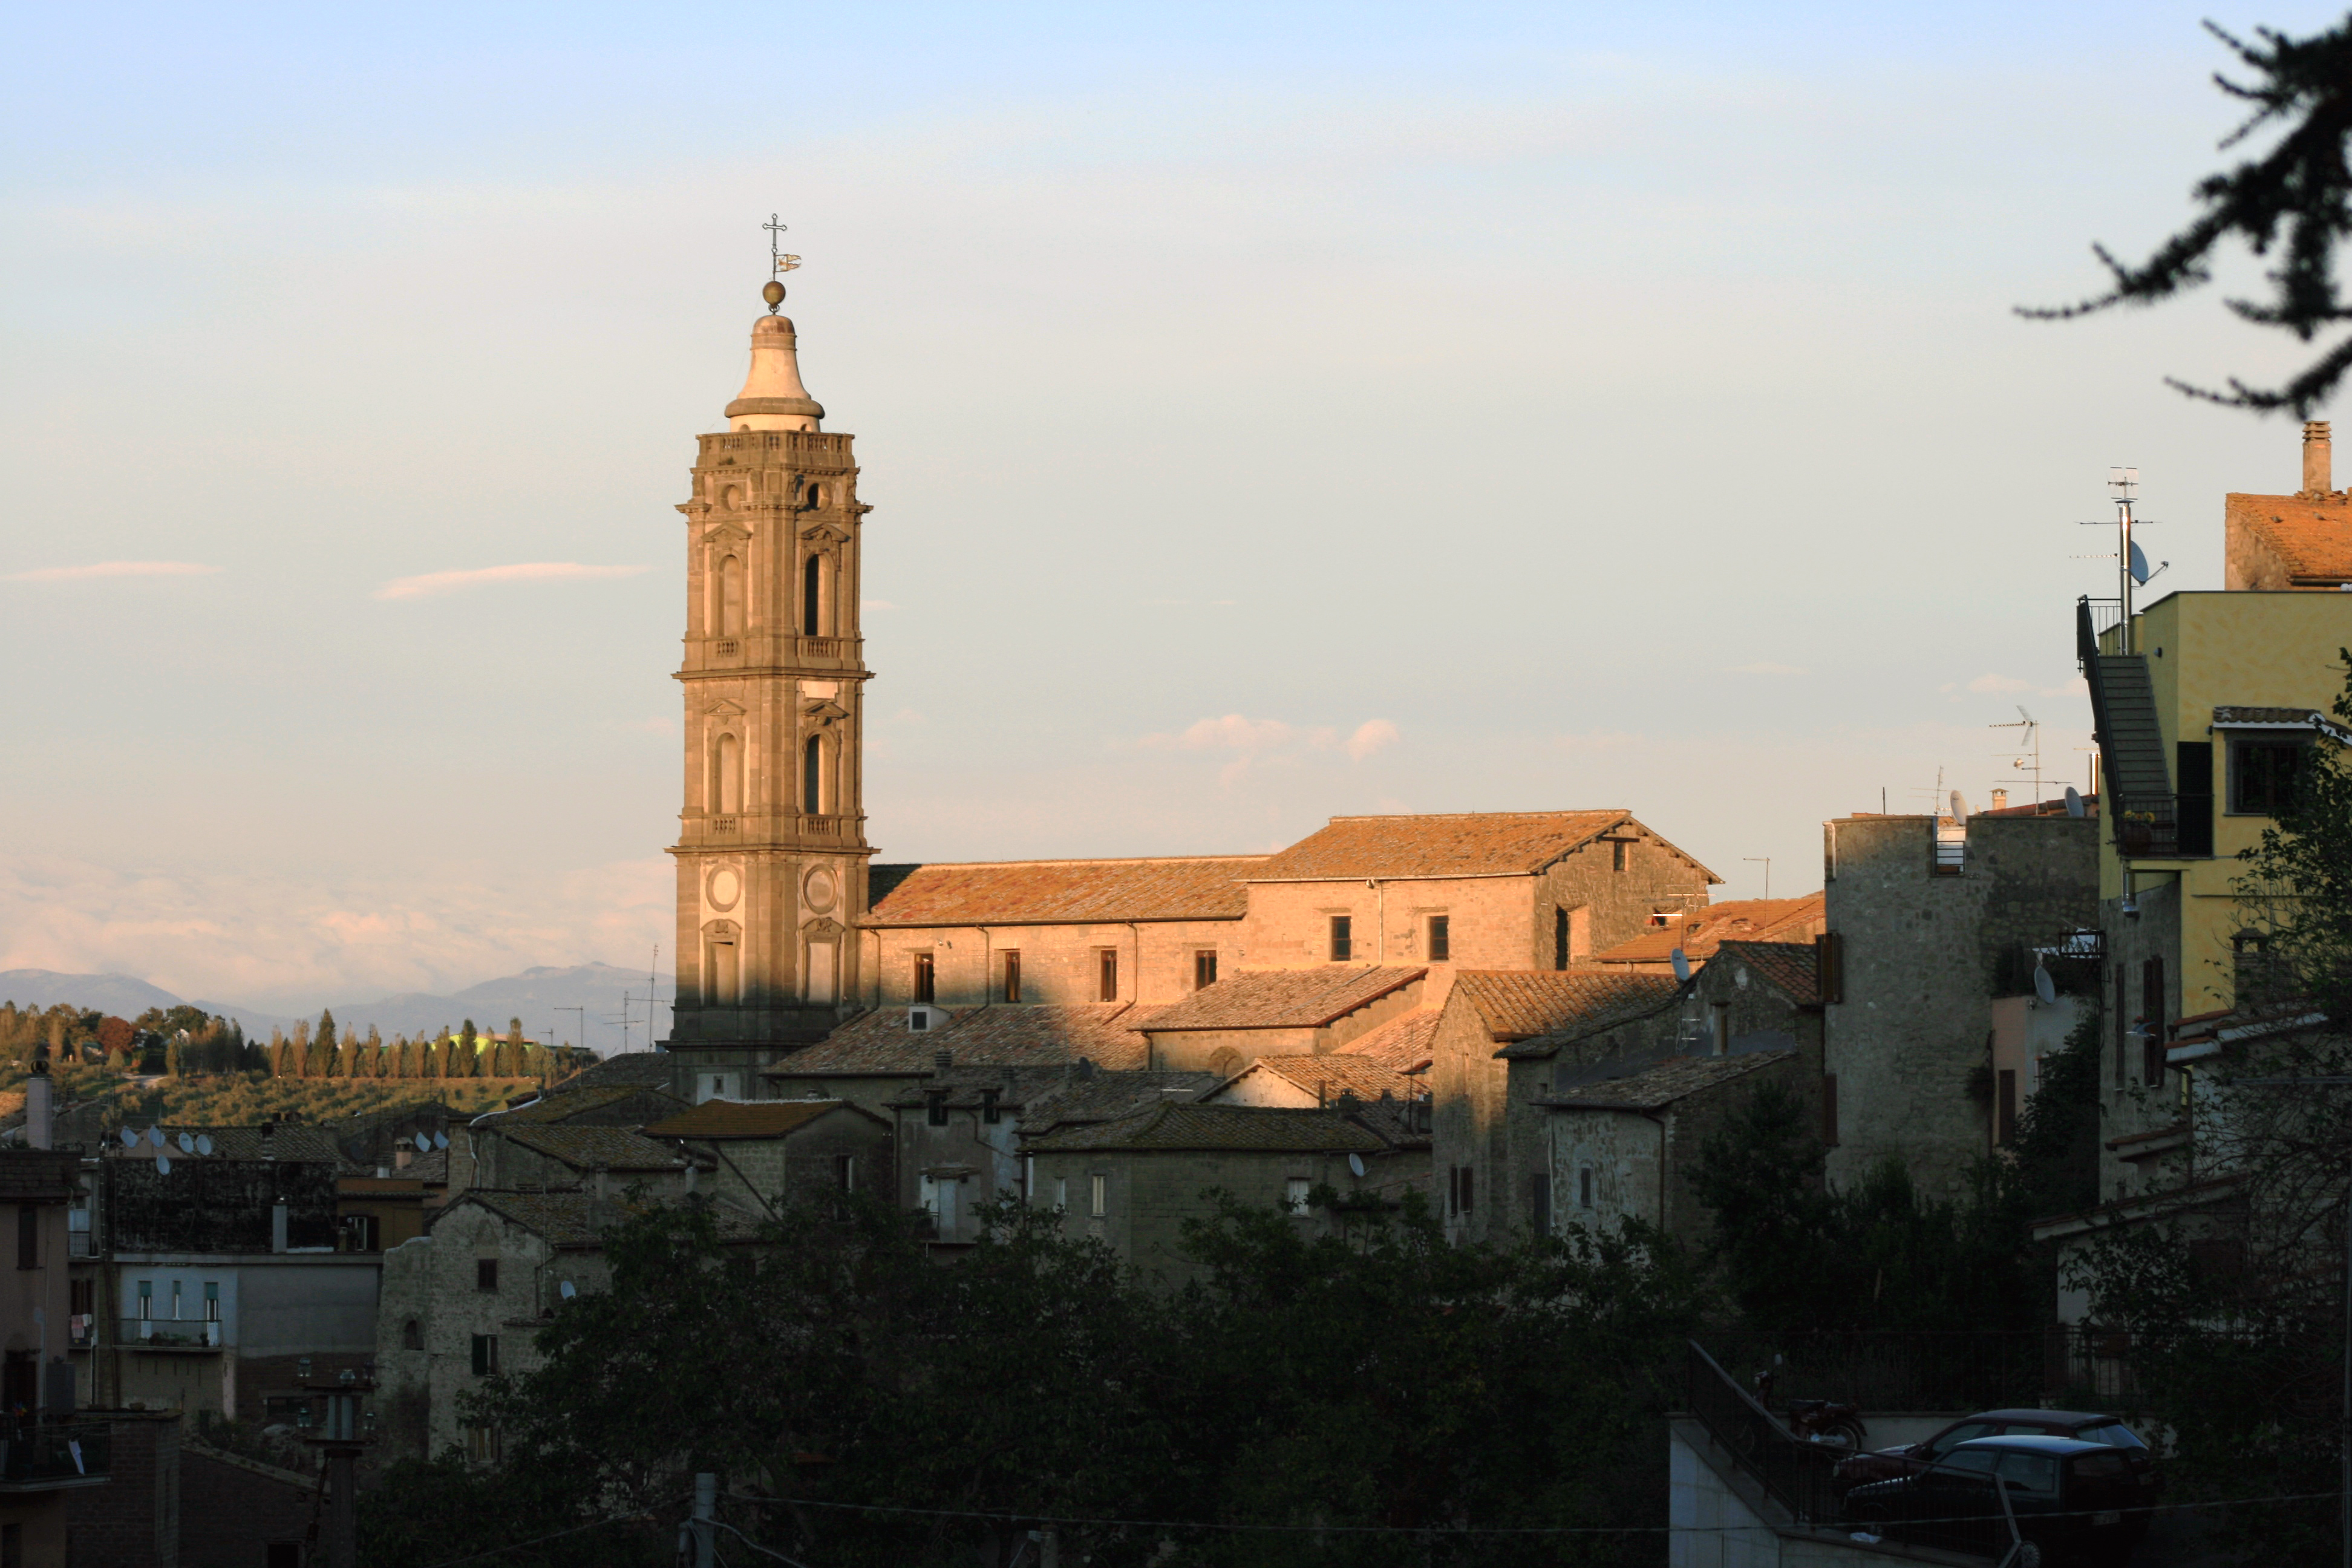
(779, 263)
(2132, 569)
(2030, 739)
(1767, 859)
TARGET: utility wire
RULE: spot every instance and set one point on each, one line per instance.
(1473, 1529)
(519, 1545)
(753, 1544)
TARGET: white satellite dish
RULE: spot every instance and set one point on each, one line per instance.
(204, 1142)
(2075, 807)
(440, 1140)
(156, 1136)
(2140, 574)
(162, 1164)
(1682, 966)
(567, 1290)
(1356, 1164)
(129, 1139)
(2044, 987)
(187, 1144)
(424, 1142)
(1959, 806)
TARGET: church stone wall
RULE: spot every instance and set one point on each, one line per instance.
(1060, 964)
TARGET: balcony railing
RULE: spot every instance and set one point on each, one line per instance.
(36, 1456)
(170, 1334)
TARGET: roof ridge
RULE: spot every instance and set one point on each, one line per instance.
(1475, 816)
(1080, 861)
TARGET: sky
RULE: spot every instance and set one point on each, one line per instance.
(1268, 412)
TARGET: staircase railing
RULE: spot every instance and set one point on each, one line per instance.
(1798, 1475)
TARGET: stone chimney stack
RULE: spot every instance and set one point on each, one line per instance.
(2318, 467)
(40, 1108)
(2001, 800)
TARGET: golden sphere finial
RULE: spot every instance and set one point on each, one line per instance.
(773, 293)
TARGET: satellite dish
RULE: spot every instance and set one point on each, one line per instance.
(424, 1142)
(1959, 806)
(567, 1290)
(162, 1164)
(187, 1144)
(2140, 574)
(2044, 987)
(1682, 966)
(156, 1136)
(2074, 801)
(1356, 1164)
(440, 1140)
(204, 1142)
(129, 1139)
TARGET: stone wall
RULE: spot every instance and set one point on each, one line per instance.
(133, 1521)
(233, 1510)
(1060, 964)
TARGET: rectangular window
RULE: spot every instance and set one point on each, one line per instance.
(1204, 969)
(486, 1274)
(1107, 960)
(2005, 1107)
(989, 1110)
(482, 1445)
(1584, 1187)
(844, 1173)
(1098, 1196)
(2123, 1023)
(925, 978)
(1829, 965)
(1560, 939)
(935, 1108)
(1719, 1018)
(1343, 938)
(28, 1236)
(1539, 1203)
(1617, 854)
(146, 1299)
(81, 1297)
(2193, 806)
(485, 1355)
(1829, 1110)
(2262, 770)
(1464, 1188)
(1061, 1194)
(2151, 993)
(1013, 975)
(1294, 1194)
(1441, 939)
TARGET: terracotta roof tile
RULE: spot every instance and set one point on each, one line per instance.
(1106, 1096)
(1402, 1044)
(1676, 1077)
(1787, 966)
(879, 1045)
(1188, 1129)
(1469, 844)
(1335, 1074)
(561, 1108)
(37, 1175)
(1060, 893)
(575, 1219)
(1742, 919)
(1519, 1005)
(738, 1119)
(2312, 538)
(630, 1066)
(585, 1147)
(1283, 998)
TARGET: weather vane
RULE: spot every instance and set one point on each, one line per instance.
(778, 263)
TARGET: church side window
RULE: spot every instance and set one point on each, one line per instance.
(811, 597)
(727, 607)
(1012, 974)
(1441, 939)
(926, 978)
(1343, 938)
(1108, 959)
(726, 782)
(812, 776)
(1205, 969)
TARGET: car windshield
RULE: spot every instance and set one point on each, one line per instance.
(1945, 1442)
(2028, 1472)
(1977, 1461)
(2113, 1434)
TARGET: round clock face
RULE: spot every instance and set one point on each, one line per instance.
(726, 887)
(822, 889)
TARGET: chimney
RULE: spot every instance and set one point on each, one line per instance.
(943, 1063)
(39, 1108)
(278, 1225)
(2001, 800)
(603, 1185)
(2318, 469)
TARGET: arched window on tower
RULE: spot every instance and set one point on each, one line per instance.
(727, 598)
(811, 597)
(727, 776)
(812, 776)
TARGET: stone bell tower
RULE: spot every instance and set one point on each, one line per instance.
(771, 844)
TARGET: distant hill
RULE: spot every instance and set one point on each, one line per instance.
(542, 998)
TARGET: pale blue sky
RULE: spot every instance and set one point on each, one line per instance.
(1619, 403)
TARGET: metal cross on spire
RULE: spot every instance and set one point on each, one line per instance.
(778, 262)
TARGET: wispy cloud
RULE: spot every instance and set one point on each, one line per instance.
(112, 569)
(1232, 732)
(1370, 737)
(1767, 669)
(1993, 683)
(480, 576)
(1280, 743)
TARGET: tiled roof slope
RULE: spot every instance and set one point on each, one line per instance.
(1734, 920)
(2312, 538)
(1334, 1074)
(37, 1175)
(578, 1219)
(1061, 892)
(1106, 1096)
(584, 1148)
(296, 1143)
(561, 1108)
(1519, 1005)
(1402, 1044)
(1661, 1086)
(1470, 843)
(1787, 966)
(630, 1066)
(1283, 998)
(1188, 1129)
(736, 1119)
(879, 1045)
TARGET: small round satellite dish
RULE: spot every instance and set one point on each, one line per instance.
(204, 1142)
(156, 1136)
(2138, 564)
(2074, 801)
(2044, 987)
(440, 1140)
(1356, 1164)
(162, 1164)
(187, 1143)
(1959, 806)
(567, 1289)
(1682, 966)
(424, 1142)
(129, 1139)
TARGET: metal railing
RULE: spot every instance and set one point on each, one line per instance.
(2095, 618)
(169, 1334)
(1800, 1476)
(32, 1453)
(1959, 1371)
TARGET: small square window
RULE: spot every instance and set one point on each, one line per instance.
(2263, 773)
(1441, 939)
(1294, 1194)
(486, 1274)
(1343, 938)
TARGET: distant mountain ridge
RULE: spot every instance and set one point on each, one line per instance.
(543, 997)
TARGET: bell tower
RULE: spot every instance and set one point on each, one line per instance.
(771, 845)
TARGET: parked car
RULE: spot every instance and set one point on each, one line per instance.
(1889, 1464)
(2073, 1501)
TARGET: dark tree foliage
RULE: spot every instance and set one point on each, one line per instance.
(839, 1380)
(2056, 1151)
(2299, 194)
(2297, 884)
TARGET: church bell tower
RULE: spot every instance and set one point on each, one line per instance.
(771, 846)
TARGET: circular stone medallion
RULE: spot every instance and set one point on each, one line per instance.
(726, 887)
(822, 889)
